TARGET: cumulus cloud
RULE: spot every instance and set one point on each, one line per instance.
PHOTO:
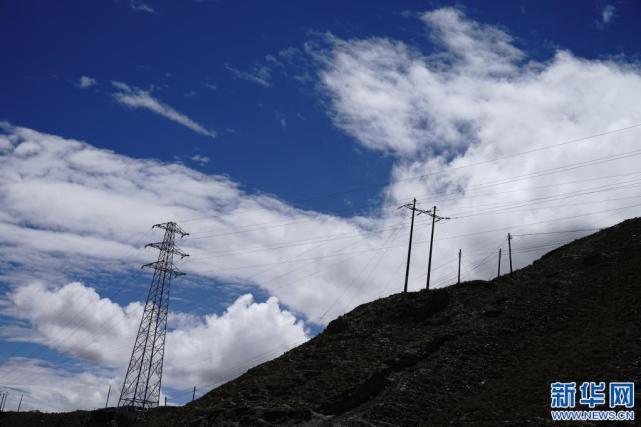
(85, 82)
(201, 350)
(73, 319)
(134, 97)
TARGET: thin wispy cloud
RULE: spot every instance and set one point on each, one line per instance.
(606, 17)
(607, 14)
(200, 159)
(210, 86)
(260, 75)
(85, 82)
(134, 97)
(139, 6)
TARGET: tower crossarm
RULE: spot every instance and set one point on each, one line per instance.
(161, 266)
(171, 226)
(162, 246)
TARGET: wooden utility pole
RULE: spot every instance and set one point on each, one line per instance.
(4, 400)
(498, 273)
(108, 393)
(20, 403)
(409, 248)
(193, 395)
(165, 400)
(429, 262)
(509, 247)
(459, 267)
(435, 219)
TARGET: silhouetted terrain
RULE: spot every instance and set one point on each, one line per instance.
(479, 353)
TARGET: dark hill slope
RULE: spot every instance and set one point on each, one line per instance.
(479, 353)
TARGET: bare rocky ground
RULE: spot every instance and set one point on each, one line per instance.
(479, 353)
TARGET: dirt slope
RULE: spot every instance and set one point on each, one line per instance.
(479, 353)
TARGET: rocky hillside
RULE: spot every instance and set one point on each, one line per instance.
(479, 353)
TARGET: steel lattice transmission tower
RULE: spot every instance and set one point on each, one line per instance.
(141, 388)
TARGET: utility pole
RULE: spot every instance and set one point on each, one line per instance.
(165, 400)
(2, 398)
(108, 393)
(411, 207)
(141, 388)
(498, 274)
(435, 219)
(193, 395)
(459, 267)
(509, 247)
(20, 403)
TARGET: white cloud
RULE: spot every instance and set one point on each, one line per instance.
(85, 82)
(138, 98)
(258, 74)
(139, 6)
(471, 48)
(385, 93)
(446, 116)
(62, 196)
(73, 319)
(200, 350)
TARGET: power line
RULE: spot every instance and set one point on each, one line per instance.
(556, 232)
(492, 160)
(503, 209)
(457, 194)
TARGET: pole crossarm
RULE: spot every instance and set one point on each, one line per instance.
(436, 217)
(412, 207)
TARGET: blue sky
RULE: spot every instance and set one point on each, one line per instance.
(182, 47)
(283, 137)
